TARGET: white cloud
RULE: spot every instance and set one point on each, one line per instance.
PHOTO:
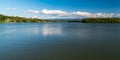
(54, 12)
(35, 16)
(82, 14)
(33, 11)
(93, 15)
(103, 15)
(74, 14)
(117, 15)
(10, 8)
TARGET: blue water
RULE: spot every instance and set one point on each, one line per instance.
(59, 41)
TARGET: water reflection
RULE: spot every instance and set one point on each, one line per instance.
(33, 30)
(7, 31)
(72, 41)
(48, 30)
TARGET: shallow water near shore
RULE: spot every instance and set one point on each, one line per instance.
(59, 41)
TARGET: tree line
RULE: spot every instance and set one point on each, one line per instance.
(16, 19)
(101, 20)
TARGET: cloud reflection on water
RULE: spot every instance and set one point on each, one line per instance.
(50, 30)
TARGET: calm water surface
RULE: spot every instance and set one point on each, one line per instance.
(59, 41)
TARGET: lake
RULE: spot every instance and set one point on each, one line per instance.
(59, 41)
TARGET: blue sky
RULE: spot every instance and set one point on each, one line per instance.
(61, 8)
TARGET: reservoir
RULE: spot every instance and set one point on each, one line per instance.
(59, 41)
